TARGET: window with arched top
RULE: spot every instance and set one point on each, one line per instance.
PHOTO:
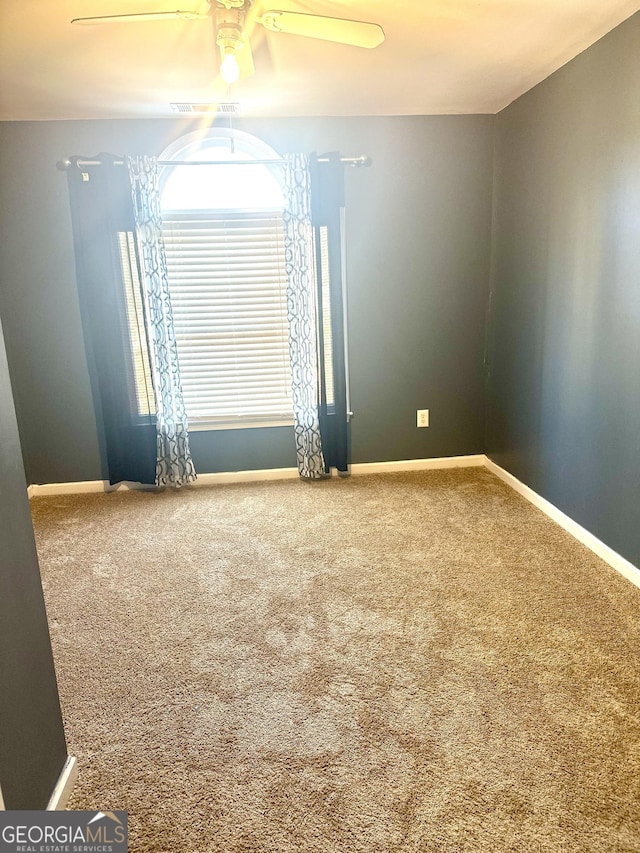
(222, 207)
(226, 184)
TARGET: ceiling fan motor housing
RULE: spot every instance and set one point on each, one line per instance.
(230, 21)
(229, 36)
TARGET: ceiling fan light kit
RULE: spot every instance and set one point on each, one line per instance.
(230, 27)
(229, 68)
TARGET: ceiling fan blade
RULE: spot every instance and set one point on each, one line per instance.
(356, 33)
(141, 16)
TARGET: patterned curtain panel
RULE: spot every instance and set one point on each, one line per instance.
(301, 311)
(174, 465)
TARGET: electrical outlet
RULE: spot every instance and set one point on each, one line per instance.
(423, 417)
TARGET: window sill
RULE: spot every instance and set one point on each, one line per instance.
(205, 425)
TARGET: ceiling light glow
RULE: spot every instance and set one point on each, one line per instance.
(229, 68)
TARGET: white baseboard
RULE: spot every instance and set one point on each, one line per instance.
(356, 470)
(258, 475)
(84, 487)
(417, 464)
(64, 786)
(262, 474)
(615, 560)
(246, 476)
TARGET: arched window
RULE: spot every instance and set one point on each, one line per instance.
(223, 185)
(224, 239)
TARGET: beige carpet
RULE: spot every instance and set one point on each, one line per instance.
(407, 662)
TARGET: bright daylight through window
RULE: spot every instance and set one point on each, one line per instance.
(224, 239)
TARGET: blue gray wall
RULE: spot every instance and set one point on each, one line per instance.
(32, 744)
(418, 259)
(564, 385)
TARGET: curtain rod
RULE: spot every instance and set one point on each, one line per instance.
(362, 160)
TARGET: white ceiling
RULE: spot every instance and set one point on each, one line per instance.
(439, 57)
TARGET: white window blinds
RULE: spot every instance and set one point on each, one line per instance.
(327, 333)
(228, 292)
(140, 382)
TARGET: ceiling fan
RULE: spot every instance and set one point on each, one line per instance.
(232, 18)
